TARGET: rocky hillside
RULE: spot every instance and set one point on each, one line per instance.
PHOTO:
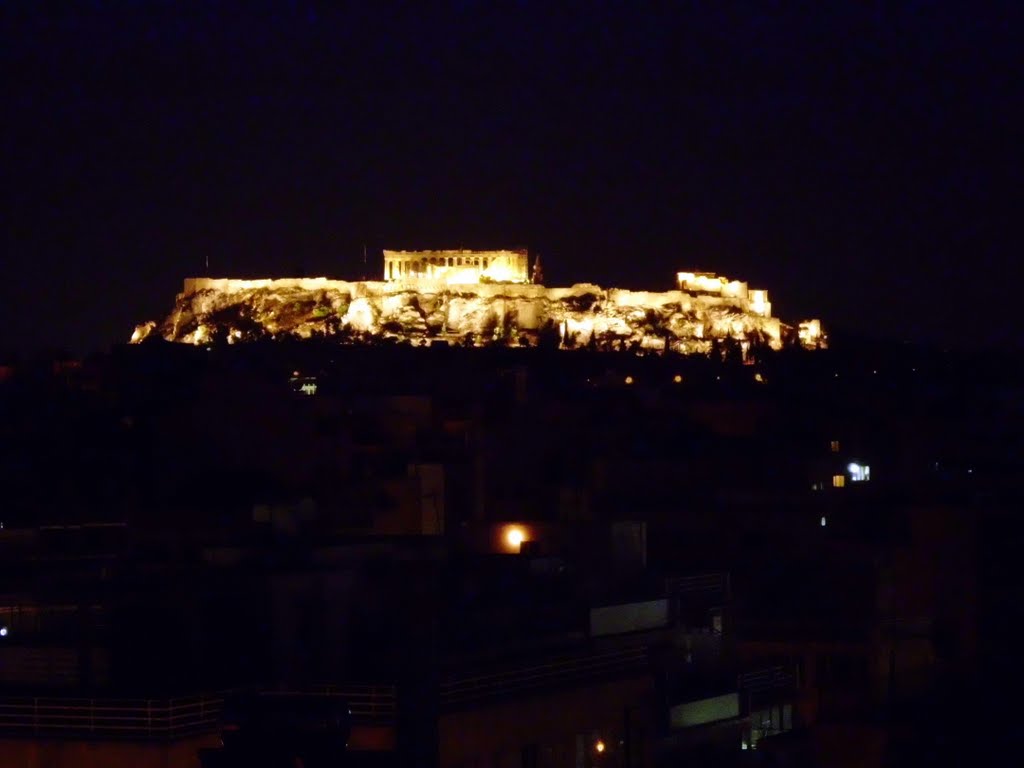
(235, 311)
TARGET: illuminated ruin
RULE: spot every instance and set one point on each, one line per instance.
(479, 298)
(460, 267)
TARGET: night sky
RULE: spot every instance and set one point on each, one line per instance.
(858, 159)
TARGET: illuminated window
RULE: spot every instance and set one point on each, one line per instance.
(859, 473)
(834, 445)
(838, 481)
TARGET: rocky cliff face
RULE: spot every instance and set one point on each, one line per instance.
(236, 311)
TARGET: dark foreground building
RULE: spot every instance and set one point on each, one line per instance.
(503, 557)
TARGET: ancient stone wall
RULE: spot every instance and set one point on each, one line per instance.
(584, 314)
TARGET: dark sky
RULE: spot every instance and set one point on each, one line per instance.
(858, 159)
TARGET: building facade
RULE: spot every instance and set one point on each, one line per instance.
(458, 267)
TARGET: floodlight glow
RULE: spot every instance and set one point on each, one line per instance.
(514, 537)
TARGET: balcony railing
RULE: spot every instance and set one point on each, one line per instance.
(562, 672)
(155, 719)
(368, 703)
(111, 718)
(148, 719)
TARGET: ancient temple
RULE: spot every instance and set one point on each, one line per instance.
(457, 267)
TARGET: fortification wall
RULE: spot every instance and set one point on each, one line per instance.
(585, 313)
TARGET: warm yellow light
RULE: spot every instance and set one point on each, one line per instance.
(599, 746)
(677, 379)
(629, 379)
(514, 537)
(759, 377)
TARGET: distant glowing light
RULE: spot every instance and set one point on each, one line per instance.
(823, 521)
(599, 746)
(859, 473)
(629, 379)
(514, 537)
(677, 379)
(759, 377)
(3, 631)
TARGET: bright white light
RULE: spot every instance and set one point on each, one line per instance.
(859, 473)
(3, 631)
(514, 537)
(823, 521)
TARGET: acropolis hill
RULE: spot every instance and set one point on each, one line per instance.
(477, 298)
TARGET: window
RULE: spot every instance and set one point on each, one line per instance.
(838, 481)
(859, 473)
(834, 445)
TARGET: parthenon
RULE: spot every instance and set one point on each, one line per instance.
(457, 267)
